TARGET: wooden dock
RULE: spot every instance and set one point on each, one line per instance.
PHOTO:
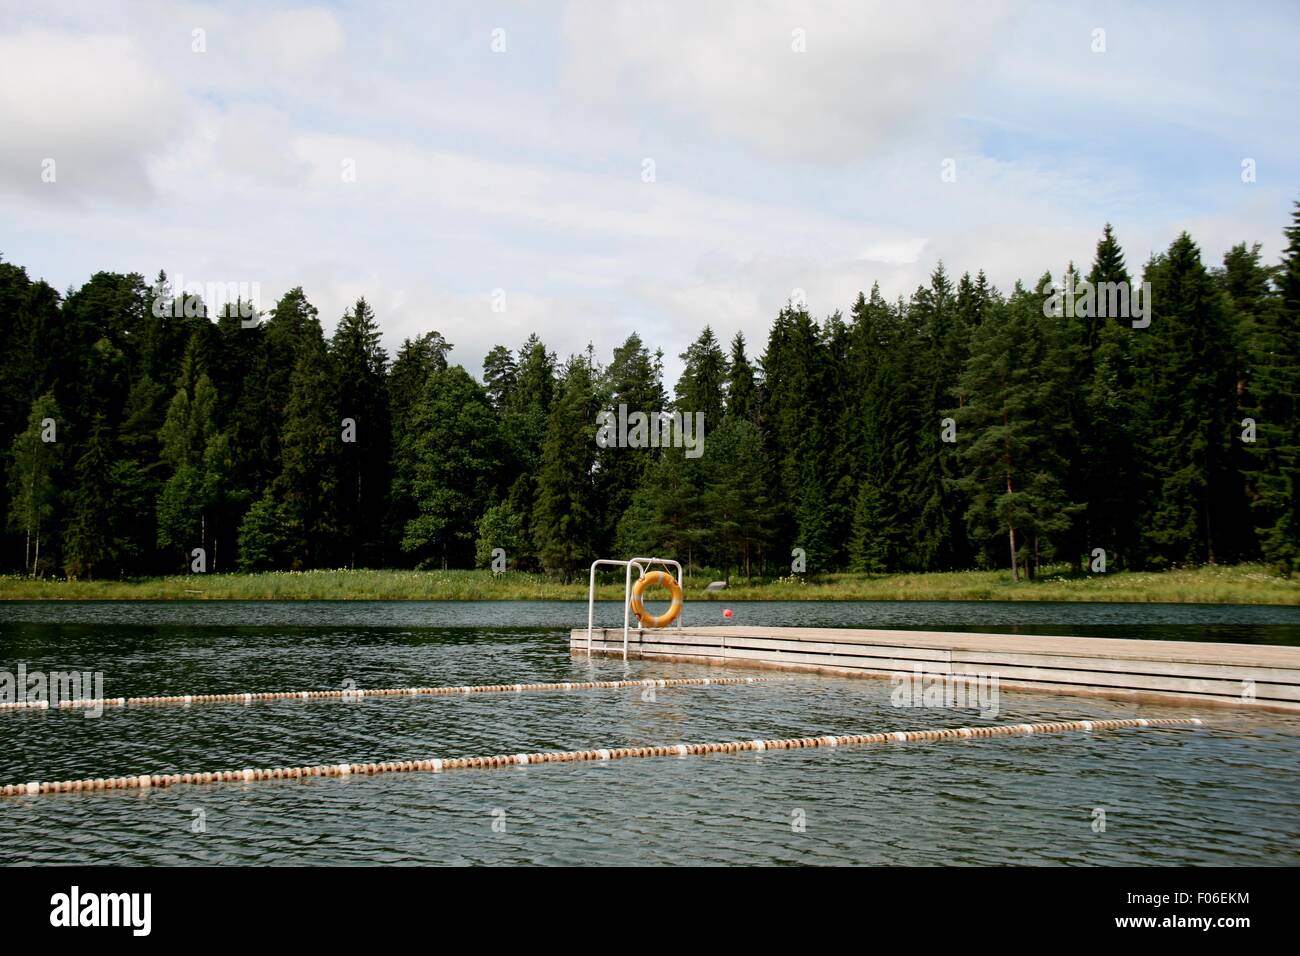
(1177, 672)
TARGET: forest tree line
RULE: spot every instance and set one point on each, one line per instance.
(959, 427)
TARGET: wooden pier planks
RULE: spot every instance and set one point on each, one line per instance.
(1241, 675)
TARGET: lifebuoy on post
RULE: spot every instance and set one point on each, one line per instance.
(638, 608)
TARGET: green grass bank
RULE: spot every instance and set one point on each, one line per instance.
(1239, 584)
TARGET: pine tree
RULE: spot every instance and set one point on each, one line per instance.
(523, 426)
(1103, 449)
(359, 366)
(733, 500)
(633, 379)
(869, 549)
(884, 357)
(938, 536)
(812, 519)
(417, 359)
(793, 429)
(565, 520)
(188, 428)
(241, 369)
(310, 441)
(29, 320)
(500, 373)
(1248, 286)
(664, 517)
(839, 473)
(1009, 432)
(702, 385)
(882, 382)
(141, 471)
(457, 452)
(1191, 381)
(89, 548)
(1275, 388)
(742, 390)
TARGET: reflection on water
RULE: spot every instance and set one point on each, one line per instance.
(1187, 622)
(1225, 794)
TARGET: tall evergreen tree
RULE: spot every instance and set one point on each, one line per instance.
(90, 550)
(733, 496)
(1275, 405)
(869, 548)
(188, 428)
(310, 441)
(1009, 433)
(1103, 448)
(457, 451)
(792, 420)
(742, 389)
(565, 520)
(523, 425)
(360, 365)
(634, 380)
(500, 373)
(417, 359)
(702, 385)
(1190, 377)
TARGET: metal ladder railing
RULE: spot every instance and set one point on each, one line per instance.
(641, 564)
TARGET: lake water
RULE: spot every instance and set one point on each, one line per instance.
(1228, 793)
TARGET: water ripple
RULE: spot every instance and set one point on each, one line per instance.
(1226, 794)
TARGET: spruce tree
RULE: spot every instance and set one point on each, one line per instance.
(417, 359)
(1103, 449)
(189, 426)
(633, 379)
(1275, 389)
(1191, 378)
(457, 453)
(1009, 434)
(523, 424)
(359, 366)
(310, 442)
(565, 518)
(735, 508)
(879, 386)
(89, 548)
(702, 385)
(500, 373)
(938, 535)
(742, 389)
(794, 431)
(868, 549)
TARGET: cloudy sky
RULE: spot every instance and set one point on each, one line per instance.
(615, 166)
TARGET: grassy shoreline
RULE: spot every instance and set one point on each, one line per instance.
(1239, 584)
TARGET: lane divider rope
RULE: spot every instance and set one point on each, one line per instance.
(185, 700)
(438, 765)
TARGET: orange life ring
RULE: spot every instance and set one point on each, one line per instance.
(675, 589)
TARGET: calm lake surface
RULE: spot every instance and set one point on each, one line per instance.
(1225, 794)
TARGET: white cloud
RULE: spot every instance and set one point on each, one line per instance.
(894, 252)
(870, 71)
(255, 142)
(94, 104)
(298, 41)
